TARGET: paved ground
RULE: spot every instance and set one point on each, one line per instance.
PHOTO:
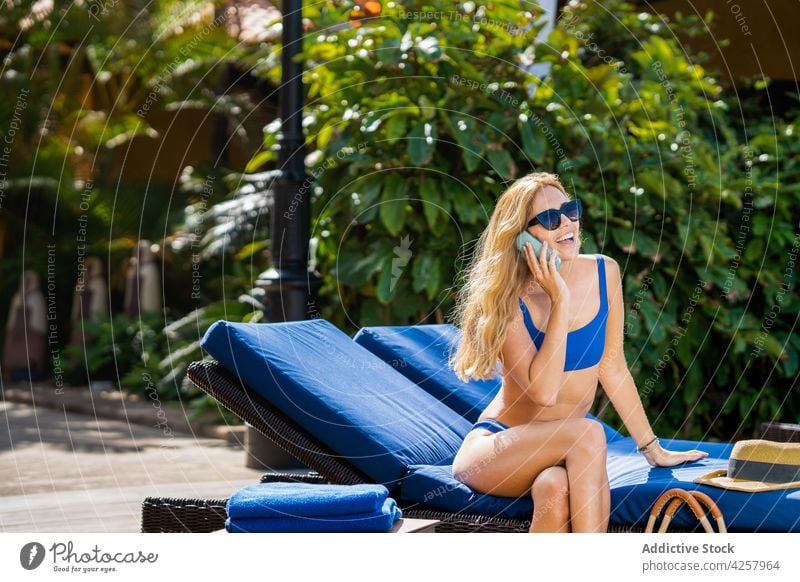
(64, 471)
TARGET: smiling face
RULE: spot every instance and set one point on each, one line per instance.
(551, 197)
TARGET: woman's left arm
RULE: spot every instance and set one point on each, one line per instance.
(618, 383)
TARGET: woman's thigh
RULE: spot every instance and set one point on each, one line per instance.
(506, 463)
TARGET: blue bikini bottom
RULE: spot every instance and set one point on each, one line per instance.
(490, 424)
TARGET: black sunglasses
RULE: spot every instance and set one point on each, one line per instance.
(551, 218)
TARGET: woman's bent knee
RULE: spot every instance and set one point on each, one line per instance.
(551, 482)
(589, 437)
(591, 430)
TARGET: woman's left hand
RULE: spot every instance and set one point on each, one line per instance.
(658, 457)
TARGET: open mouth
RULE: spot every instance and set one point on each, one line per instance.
(567, 239)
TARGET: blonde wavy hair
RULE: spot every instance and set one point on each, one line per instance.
(494, 279)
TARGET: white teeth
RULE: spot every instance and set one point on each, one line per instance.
(567, 237)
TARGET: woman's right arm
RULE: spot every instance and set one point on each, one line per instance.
(538, 372)
(547, 369)
(541, 372)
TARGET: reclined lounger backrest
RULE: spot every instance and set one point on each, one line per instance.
(420, 352)
(341, 393)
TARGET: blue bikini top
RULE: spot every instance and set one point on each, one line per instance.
(584, 345)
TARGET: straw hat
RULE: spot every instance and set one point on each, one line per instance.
(758, 465)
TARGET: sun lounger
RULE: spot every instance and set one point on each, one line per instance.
(353, 418)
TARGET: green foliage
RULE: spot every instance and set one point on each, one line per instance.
(417, 124)
(81, 81)
(410, 139)
(113, 347)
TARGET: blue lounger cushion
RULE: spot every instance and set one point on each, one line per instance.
(305, 500)
(380, 520)
(635, 486)
(340, 393)
(420, 352)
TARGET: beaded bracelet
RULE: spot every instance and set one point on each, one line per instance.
(647, 446)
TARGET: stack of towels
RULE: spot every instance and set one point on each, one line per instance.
(309, 507)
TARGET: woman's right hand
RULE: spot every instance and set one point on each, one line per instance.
(546, 275)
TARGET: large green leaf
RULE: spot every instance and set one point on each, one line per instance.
(533, 141)
(396, 127)
(421, 142)
(467, 133)
(466, 204)
(432, 202)
(501, 162)
(355, 268)
(652, 320)
(427, 274)
(393, 204)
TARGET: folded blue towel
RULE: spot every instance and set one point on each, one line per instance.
(380, 521)
(305, 500)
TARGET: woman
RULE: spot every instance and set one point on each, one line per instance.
(533, 436)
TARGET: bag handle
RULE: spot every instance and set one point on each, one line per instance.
(677, 497)
(716, 513)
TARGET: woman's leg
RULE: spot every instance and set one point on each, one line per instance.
(506, 464)
(590, 497)
(550, 493)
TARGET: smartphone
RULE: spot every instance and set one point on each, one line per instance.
(526, 237)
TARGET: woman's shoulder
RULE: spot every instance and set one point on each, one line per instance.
(611, 269)
(592, 257)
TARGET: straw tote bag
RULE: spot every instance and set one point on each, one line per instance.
(695, 500)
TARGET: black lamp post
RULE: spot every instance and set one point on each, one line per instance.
(289, 288)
